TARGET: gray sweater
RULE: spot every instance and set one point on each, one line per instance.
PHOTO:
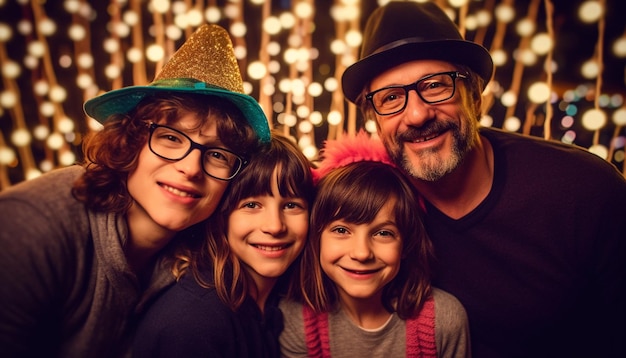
(452, 336)
(66, 289)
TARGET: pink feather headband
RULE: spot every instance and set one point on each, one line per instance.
(360, 148)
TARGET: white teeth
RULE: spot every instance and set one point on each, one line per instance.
(269, 248)
(425, 139)
(177, 192)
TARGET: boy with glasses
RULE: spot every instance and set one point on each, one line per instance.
(86, 248)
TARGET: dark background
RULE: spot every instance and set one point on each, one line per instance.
(575, 43)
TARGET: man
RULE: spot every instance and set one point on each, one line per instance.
(529, 234)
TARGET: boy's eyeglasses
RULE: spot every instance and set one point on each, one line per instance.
(172, 144)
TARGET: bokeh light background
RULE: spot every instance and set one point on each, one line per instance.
(560, 67)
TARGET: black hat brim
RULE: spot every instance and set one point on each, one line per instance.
(462, 52)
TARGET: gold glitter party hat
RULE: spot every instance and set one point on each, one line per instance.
(204, 64)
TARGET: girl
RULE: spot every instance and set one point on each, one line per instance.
(365, 273)
(85, 247)
(224, 304)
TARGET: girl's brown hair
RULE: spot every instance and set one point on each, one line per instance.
(229, 279)
(356, 193)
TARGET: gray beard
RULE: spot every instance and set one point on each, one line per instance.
(431, 166)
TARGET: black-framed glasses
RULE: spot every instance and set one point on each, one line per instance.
(172, 144)
(434, 88)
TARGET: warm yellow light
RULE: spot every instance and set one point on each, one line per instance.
(268, 89)
(590, 11)
(36, 49)
(55, 141)
(457, 3)
(315, 89)
(471, 23)
(590, 69)
(160, 6)
(370, 126)
(57, 94)
(67, 158)
(11, 70)
(130, 17)
(7, 155)
(65, 125)
(194, 17)
(305, 127)
(290, 120)
(134, 55)
(526, 56)
(32, 174)
(84, 60)
(525, 27)
(41, 132)
(310, 151)
(257, 70)
(303, 10)
(272, 25)
(212, 14)
(8, 99)
(287, 20)
(619, 117)
(112, 71)
(21, 137)
(538, 92)
(483, 18)
(512, 124)
(303, 111)
(499, 57)
(47, 27)
(155, 53)
(619, 47)
(486, 120)
(241, 52)
(509, 99)
(541, 43)
(238, 29)
(331, 84)
(354, 38)
(599, 150)
(46, 109)
(334, 118)
(594, 119)
(77, 32)
(316, 118)
(71, 6)
(504, 13)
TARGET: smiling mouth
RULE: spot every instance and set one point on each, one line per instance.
(271, 248)
(178, 192)
(360, 272)
(426, 139)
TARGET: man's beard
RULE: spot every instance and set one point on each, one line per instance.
(430, 165)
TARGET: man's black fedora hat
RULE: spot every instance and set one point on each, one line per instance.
(403, 31)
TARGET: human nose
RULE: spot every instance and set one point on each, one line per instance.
(190, 165)
(361, 249)
(273, 222)
(416, 111)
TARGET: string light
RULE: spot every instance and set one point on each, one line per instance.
(296, 79)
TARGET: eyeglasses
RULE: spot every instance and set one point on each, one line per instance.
(172, 144)
(434, 88)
